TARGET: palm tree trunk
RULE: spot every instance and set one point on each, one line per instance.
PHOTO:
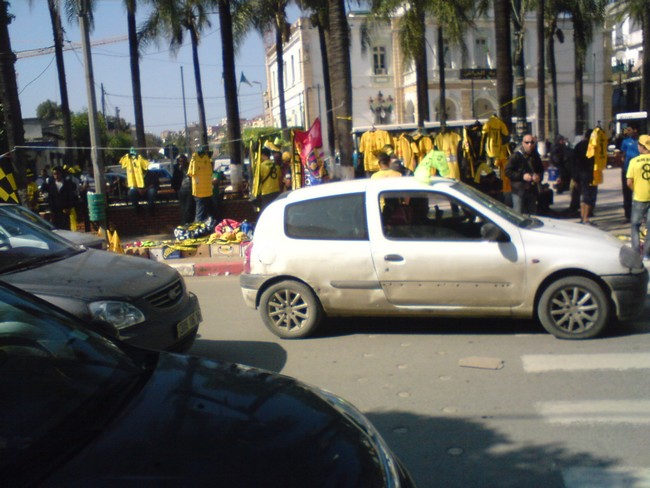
(328, 90)
(504, 59)
(441, 69)
(579, 94)
(230, 83)
(421, 69)
(199, 89)
(135, 74)
(57, 31)
(645, 87)
(553, 71)
(9, 96)
(520, 69)
(541, 75)
(340, 71)
(279, 52)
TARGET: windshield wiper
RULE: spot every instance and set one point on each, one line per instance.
(36, 261)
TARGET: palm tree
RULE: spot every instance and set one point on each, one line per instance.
(263, 15)
(552, 10)
(54, 7)
(505, 78)
(638, 11)
(134, 55)
(541, 71)
(452, 21)
(229, 77)
(13, 120)
(320, 20)
(169, 20)
(585, 14)
(338, 56)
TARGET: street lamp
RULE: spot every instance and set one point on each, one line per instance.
(381, 107)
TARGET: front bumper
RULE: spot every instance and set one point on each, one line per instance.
(628, 292)
(171, 331)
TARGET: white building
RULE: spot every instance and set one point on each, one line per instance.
(384, 90)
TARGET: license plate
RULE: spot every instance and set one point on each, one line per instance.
(188, 324)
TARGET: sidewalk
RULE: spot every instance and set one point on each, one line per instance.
(608, 216)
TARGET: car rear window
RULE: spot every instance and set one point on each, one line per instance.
(341, 217)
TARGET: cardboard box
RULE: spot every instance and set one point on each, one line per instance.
(164, 253)
(217, 250)
(203, 251)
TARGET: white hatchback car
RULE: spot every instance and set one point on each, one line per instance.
(398, 247)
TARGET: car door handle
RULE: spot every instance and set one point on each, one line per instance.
(393, 257)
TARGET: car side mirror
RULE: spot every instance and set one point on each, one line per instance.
(491, 232)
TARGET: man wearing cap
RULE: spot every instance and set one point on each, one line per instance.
(630, 150)
(638, 180)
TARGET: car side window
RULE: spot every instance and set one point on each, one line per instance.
(428, 216)
(341, 217)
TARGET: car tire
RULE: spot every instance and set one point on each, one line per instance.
(290, 310)
(574, 307)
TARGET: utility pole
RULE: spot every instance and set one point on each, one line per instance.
(95, 155)
(187, 151)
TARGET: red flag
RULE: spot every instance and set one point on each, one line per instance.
(309, 145)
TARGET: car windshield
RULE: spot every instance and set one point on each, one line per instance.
(498, 207)
(26, 214)
(58, 383)
(23, 244)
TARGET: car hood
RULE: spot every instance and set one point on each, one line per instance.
(197, 422)
(81, 238)
(91, 274)
(572, 230)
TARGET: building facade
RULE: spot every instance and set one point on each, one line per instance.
(384, 86)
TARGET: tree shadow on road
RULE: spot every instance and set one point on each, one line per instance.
(451, 452)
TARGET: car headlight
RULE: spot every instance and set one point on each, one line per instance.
(118, 314)
(386, 457)
(629, 258)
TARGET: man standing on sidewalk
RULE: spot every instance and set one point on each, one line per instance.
(638, 180)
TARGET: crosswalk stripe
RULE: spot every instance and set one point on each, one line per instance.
(542, 363)
(618, 477)
(596, 411)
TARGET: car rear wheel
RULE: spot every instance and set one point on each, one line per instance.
(574, 308)
(290, 310)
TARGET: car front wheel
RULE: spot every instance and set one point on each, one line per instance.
(574, 308)
(290, 310)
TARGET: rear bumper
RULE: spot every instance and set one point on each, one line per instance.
(628, 292)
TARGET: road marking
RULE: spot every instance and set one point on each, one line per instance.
(542, 363)
(627, 477)
(596, 412)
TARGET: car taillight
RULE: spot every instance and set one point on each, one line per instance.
(247, 258)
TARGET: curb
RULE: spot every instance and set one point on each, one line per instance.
(209, 268)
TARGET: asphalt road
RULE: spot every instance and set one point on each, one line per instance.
(555, 414)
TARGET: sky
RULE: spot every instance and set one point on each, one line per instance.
(160, 70)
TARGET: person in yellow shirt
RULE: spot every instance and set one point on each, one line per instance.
(270, 178)
(638, 180)
(200, 170)
(384, 167)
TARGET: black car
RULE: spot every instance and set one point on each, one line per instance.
(135, 300)
(78, 410)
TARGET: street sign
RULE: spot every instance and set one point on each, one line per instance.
(478, 74)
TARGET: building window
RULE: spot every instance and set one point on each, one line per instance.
(481, 53)
(379, 60)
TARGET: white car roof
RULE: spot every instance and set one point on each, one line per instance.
(361, 185)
